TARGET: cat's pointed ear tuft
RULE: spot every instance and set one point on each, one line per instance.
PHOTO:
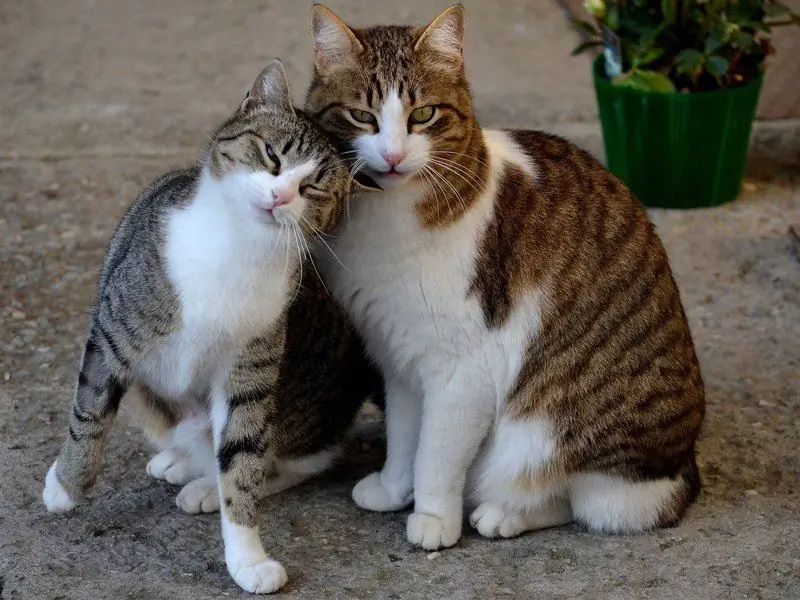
(271, 87)
(445, 35)
(334, 42)
(363, 183)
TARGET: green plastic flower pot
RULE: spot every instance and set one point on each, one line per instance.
(677, 150)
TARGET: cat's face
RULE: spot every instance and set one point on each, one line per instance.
(274, 165)
(397, 96)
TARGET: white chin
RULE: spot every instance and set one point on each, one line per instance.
(392, 180)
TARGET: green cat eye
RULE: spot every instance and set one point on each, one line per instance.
(362, 116)
(423, 114)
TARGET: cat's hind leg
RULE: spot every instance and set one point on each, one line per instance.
(612, 504)
(511, 485)
(94, 408)
(492, 520)
(200, 495)
(180, 431)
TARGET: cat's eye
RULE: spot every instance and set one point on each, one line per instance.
(362, 116)
(271, 154)
(423, 114)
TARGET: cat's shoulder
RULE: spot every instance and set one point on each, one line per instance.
(543, 146)
(535, 151)
(550, 162)
(141, 224)
(529, 148)
(171, 188)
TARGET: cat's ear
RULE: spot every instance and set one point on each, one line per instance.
(271, 87)
(445, 35)
(334, 42)
(363, 183)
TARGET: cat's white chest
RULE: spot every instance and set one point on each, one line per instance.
(406, 287)
(230, 291)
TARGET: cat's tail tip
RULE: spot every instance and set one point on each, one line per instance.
(54, 496)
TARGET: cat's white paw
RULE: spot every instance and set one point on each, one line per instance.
(370, 494)
(173, 467)
(265, 577)
(491, 522)
(199, 496)
(432, 532)
(55, 497)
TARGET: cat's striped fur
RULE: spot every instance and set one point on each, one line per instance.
(537, 356)
(241, 368)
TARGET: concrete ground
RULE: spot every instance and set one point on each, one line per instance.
(99, 97)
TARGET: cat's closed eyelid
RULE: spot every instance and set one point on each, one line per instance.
(267, 154)
(361, 117)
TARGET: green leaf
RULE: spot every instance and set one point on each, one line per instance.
(716, 38)
(586, 27)
(650, 56)
(612, 17)
(744, 41)
(646, 81)
(688, 61)
(717, 66)
(580, 49)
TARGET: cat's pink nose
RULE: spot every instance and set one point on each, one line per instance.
(394, 157)
(282, 196)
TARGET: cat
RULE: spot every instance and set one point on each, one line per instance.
(538, 363)
(241, 368)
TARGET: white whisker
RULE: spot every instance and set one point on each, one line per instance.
(313, 264)
(444, 179)
(355, 169)
(437, 188)
(468, 176)
(293, 225)
(319, 236)
(451, 153)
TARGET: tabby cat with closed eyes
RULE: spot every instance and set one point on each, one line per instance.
(537, 357)
(243, 370)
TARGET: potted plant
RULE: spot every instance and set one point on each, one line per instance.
(677, 87)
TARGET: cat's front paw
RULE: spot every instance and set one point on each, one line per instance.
(173, 467)
(371, 494)
(55, 497)
(199, 496)
(431, 532)
(264, 577)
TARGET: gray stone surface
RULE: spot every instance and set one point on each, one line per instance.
(99, 97)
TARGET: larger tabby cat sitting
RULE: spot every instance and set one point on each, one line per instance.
(245, 382)
(521, 306)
